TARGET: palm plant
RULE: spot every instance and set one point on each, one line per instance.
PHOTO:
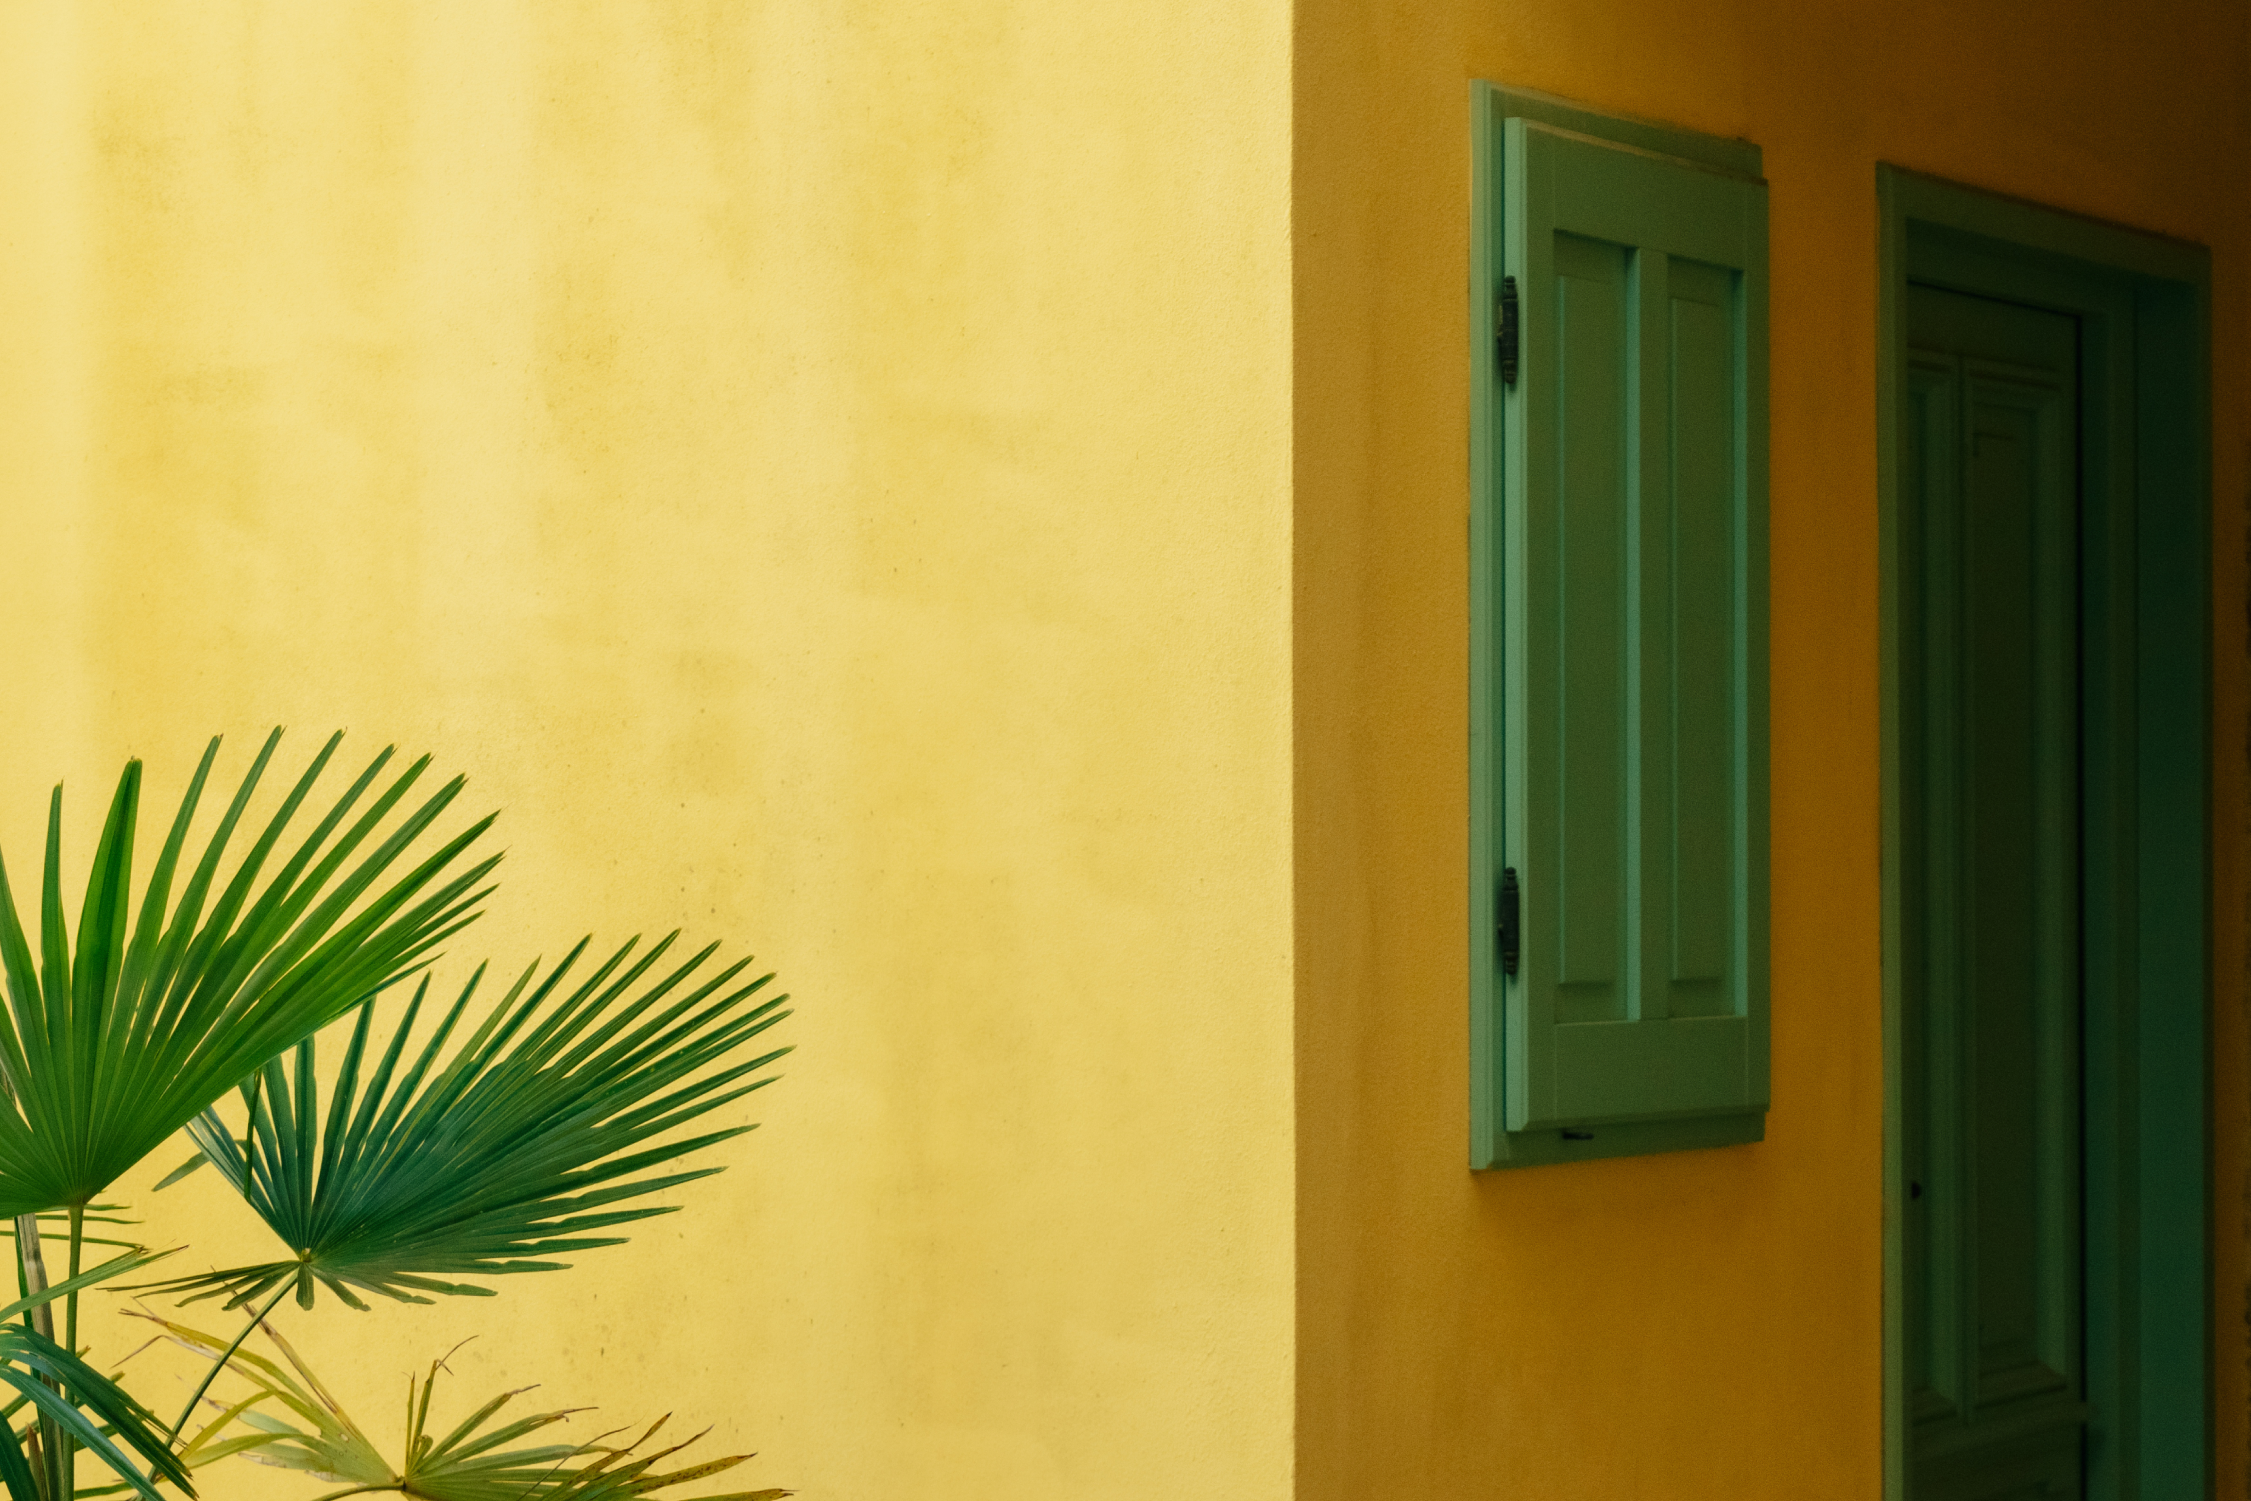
(72, 1400)
(294, 1422)
(550, 1122)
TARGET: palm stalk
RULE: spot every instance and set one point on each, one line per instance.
(40, 1319)
(218, 1364)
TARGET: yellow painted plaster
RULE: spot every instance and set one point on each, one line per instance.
(823, 470)
(1705, 1325)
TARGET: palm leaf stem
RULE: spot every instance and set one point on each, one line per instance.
(226, 1355)
(68, 1451)
(31, 1265)
(35, 1447)
(77, 1245)
(31, 1280)
(31, 1275)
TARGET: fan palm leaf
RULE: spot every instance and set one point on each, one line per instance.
(294, 1422)
(108, 1048)
(537, 1134)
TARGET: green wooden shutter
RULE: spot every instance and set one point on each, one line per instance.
(1620, 665)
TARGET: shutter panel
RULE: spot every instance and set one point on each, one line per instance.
(1626, 684)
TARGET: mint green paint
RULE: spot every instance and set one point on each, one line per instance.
(1619, 651)
(1497, 102)
(2144, 613)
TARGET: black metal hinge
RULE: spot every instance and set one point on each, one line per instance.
(1509, 916)
(1504, 325)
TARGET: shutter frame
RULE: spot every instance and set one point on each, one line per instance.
(1616, 1036)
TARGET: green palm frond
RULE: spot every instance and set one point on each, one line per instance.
(134, 1258)
(538, 1132)
(293, 1421)
(84, 1404)
(76, 1400)
(322, 1440)
(58, 1223)
(109, 1048)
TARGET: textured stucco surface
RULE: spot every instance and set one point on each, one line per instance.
(823, 470)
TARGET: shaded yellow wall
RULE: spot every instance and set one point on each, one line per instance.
(823, 469)
(1705, 1325)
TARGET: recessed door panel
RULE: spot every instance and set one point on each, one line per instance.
(1992, 981)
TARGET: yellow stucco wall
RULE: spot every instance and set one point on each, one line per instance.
(824, 471)
(1707, 1325)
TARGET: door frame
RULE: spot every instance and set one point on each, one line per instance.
(2143, 302)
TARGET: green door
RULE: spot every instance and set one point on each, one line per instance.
(1990, 698)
